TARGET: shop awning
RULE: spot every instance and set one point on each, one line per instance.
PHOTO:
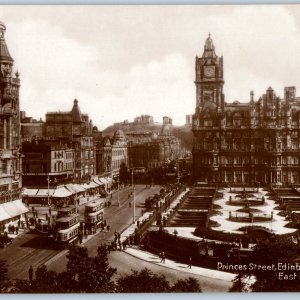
(3, 214)
(91, 185)
(71, 188)
(14, 208)
(44, 193)
(97, 181)
(104, 180)
(79, 188)
(30, 192)
(23, 208)
(62, 192)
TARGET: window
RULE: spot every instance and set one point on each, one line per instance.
(207, 123)
(237, 123)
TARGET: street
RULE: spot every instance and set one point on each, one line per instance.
(32, 249)
(125, 263)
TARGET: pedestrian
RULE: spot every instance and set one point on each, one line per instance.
(162, 257)
(30, 274)
(17, 229)
(120, 245)
(124, 244)
(119, 235)
(102, 226)
(190, 263)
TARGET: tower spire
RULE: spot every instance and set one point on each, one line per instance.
(209, 48)
(4, 53)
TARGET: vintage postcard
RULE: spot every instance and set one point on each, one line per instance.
(149, 148)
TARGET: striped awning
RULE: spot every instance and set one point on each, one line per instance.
(62, 192)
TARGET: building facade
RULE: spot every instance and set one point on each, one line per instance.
(11, 207)
(31, 128)
(150, 150)
(104, 157)
(78, 129)
(119, 153)
(243, 143)
(46, 160)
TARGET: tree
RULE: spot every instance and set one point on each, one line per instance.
(271, 254)
(189, 285)
(4, 282)
(88, 274)
(142, 282)
(45, 281)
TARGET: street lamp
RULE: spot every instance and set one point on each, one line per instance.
(133, 195)
(48, 181)
(118, 192)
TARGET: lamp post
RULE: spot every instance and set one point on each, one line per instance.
(177, 170)
(118, 192)
(48, 181)
(133, 195)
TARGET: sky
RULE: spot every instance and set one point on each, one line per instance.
(124, 61)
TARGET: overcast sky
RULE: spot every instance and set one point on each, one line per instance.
(123, 61)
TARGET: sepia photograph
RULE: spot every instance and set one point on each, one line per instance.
(149, 149)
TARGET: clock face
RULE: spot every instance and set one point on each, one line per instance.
(209, 71)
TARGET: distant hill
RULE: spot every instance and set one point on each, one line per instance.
(184, 133)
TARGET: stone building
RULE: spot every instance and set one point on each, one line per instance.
(11, 207)
(150, 150)
(78, 129)
(243, 143)
(143, 119)
(31, 128)
(119, 153)
(47, 159)
(103, 157)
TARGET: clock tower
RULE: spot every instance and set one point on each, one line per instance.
(209, 78)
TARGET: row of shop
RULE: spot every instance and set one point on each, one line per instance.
(66, 194)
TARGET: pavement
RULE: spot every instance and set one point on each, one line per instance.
(152, 258)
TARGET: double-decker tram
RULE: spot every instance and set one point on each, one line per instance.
(67, 226)
(93, 215)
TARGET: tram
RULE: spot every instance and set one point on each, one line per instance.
(93, 215)
(67, 226)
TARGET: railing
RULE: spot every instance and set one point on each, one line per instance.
(141, 231)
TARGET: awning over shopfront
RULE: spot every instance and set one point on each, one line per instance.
(97, 181)
(62, 192)
(71, 188)
(23, 208)
(30, 192)
(104, 180)
(44, 193)
(75, 188)
(90, 185)
(3, 214)
(13, 208)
